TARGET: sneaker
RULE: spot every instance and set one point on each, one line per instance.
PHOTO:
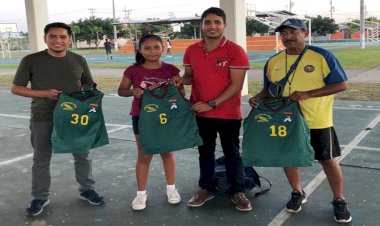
(341, 213)
(92, 197)
(173, 196)
(139, 202)
(36, 207)
(241, 202)
(200, 198)
(295, 202)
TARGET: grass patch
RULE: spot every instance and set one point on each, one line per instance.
(6, 80)
(360, 91)
(350, 58)
(356, 58)
(355, 91)
(109, 66)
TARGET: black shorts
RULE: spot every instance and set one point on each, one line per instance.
(135, 124)
(325, 143)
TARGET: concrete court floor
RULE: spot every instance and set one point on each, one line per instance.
(357, 124)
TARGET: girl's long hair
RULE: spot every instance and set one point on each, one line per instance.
(139, 57)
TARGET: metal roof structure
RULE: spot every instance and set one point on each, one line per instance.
(163, 21)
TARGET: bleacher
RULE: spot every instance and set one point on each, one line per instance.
(180, 45)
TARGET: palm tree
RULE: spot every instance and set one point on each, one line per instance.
(75, 29)
(97, 30)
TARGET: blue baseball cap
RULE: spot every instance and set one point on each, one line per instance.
(293, 23)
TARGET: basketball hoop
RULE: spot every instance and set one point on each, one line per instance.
(5, 32)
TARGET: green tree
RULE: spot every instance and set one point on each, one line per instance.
(93, 29)
(75, 30)
(188, 31)
(23, 40)
(159, 29)
(323, 25)
(254, 26)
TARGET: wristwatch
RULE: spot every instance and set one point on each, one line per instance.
(212, 104)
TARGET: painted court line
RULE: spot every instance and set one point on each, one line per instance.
(10, 161)
(364, 148)
(283, 215)
(351, 107)
(356, 108)
(122, 126)
(22, 157)
(15, 116)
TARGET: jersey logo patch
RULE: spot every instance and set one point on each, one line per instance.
(288, 119)
(174, 106)
(309, 68)
(151, 107)
(262, 118)
(68, 106)
(93, 109)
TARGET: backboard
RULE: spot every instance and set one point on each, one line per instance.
(8, 28)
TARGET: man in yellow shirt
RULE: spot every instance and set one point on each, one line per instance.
(317, 76)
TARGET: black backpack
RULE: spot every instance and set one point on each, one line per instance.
(251, 177)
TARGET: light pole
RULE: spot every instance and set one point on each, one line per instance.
(114, 26)
(362, 25)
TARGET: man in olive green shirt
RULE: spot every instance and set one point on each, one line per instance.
(50, 72)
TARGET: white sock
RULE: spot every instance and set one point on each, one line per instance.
(140, 193)
(170, 187)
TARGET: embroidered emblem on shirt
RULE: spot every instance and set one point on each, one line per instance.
(309, 68)
(221, 62)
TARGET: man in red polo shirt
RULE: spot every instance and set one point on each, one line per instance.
(216, 67)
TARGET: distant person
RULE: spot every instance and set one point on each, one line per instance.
(135, 45)
(148, 67)
(50, 72)
(215, 68)
(168, 47)
(108, 47)
(313, 82)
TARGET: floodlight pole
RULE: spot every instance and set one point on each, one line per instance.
(362, 25)
(309, 31)
(114, 26)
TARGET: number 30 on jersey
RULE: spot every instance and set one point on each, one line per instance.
(82, 119)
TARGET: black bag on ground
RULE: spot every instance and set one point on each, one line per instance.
(251, 177)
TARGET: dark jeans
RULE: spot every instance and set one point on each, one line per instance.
(228, 130)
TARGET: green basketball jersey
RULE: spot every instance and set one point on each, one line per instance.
(276, 135)
(167, 122)
(78, 122)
